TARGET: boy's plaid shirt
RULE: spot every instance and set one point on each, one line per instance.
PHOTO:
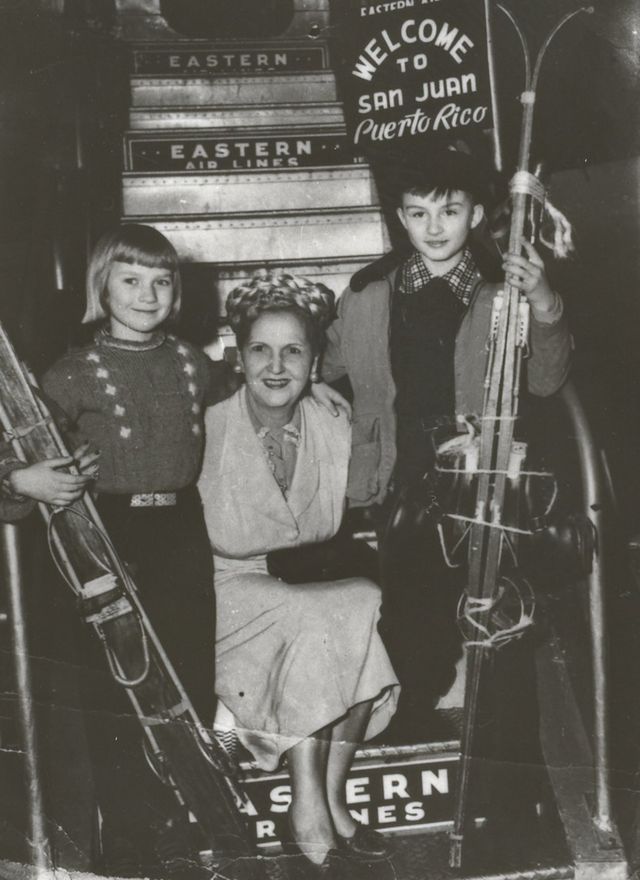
(461, 279)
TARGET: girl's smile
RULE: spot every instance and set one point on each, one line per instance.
(139, 299)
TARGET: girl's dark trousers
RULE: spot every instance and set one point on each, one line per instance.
(168, 554)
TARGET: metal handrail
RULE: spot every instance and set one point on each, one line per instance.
(13, 577)
(594, 492)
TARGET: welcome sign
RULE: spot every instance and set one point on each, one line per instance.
(416, 68)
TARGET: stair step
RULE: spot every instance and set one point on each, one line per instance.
(308, 115)
(227, 58)
(217, 193)
(201, 152)
(272, 88)
(359, 233)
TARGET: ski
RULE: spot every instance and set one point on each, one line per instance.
(492, 548)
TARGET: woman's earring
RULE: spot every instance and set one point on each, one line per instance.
(314, 375)
(237, 367)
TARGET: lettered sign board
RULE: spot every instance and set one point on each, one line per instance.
(415, 69)
(220, 59)
(409, 793)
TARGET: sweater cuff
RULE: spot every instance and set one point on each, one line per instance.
(7, 467)
(12, 505)
(553, 315)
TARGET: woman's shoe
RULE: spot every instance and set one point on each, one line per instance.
(337, 865)
(299, 867)
(366, 845)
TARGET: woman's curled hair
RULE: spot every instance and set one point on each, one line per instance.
(268, 291)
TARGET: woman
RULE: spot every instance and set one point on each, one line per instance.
(301, 667)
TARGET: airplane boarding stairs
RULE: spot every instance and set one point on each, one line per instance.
(249, 170)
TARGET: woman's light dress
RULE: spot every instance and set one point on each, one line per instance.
(290, 659)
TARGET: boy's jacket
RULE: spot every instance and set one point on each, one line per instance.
(358, 346)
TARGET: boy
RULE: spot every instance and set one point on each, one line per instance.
(413, 341)
(413, 345)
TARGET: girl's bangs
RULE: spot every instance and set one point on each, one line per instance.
(161, 258)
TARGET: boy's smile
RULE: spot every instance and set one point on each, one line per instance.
(438, 226)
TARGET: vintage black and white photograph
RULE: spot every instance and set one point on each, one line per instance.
(320, 416)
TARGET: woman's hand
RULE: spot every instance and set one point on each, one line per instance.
(46, 481)
(330, 399)
(526, 273)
